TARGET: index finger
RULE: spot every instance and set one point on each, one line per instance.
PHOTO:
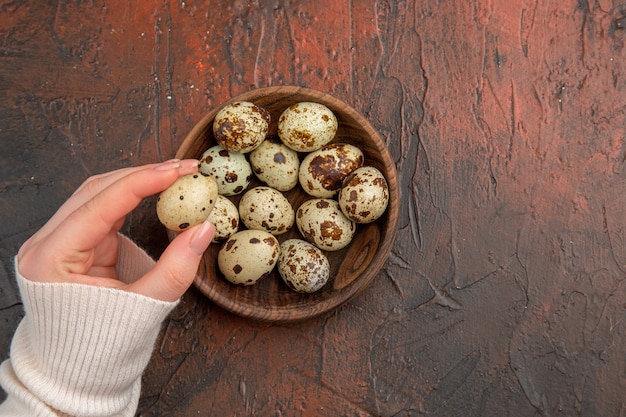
(92, 186)
(85, 227)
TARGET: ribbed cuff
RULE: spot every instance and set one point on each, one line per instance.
(82, 349)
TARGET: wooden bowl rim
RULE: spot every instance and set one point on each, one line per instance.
(288, 313)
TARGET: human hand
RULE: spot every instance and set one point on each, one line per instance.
(79, 244)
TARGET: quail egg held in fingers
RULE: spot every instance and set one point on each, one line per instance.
(275, 164)
(241, 126)
(307, 126)
(364, 195)
(322, 172)
(303, 266)
(247, 256)
(321, 222)
(265, 208)
(231, 170)
(187, 202)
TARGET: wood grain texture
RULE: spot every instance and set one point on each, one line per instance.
(504, 290)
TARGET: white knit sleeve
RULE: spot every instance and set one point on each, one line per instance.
(80, 349)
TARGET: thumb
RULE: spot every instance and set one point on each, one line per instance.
(176, 269)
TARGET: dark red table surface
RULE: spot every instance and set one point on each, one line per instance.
(504, 293)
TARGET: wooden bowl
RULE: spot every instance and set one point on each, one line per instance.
(352, 268)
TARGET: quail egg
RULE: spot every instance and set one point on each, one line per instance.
(275, 164)
(225, 217)
(187, 202)
(364, 196)
(321, 222)
(322, 172)
(247, 256)
(302, 266)
(307, 126)
(241, 126)
(265, 208)
(231, 170)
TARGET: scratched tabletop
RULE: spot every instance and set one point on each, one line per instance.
(504, 293)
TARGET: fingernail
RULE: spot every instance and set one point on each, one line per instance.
(189, 163)
(189, 166)
(201, 238)
(171, 164)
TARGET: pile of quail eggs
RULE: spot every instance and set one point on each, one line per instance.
(342, 191)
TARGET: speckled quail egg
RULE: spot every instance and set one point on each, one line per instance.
(303, 266)
(225, 217)
(275, 164)
(321, 222)
(307, 126)
(265, 208)
(231, 170)
(241, 126)
(247, 256)
(322, 172)
(187, 202)
(364, 196)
